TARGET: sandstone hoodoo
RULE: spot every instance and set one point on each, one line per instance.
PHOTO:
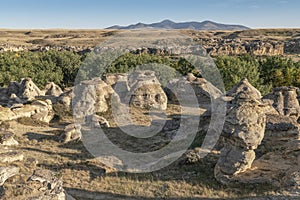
(259, 141)
(145, 91)
(91, 96)
(205, 91)
(284, 100)
(243, 131)
(53, 90)
(21, 92)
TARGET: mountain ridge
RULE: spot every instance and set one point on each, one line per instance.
(168, 24)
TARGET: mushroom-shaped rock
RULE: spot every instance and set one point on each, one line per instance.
(284, 100)
(146, 91)
(243, 131)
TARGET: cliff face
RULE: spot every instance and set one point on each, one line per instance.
(237, 47)
(256, 42)
(292, 46)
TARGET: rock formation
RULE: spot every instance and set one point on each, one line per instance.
(99, 121)
(284, 100)
(7, 172)
(37, 110)
(52, 89)
(8, 156)
(26, 89)
(145, 91)
(72, 132)
(21, 92)
(7, 138)
(91, 96)
(205, 91)
(243, 131)
(63, 104)
(50, 186)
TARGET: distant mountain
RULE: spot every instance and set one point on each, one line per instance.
(168, 24)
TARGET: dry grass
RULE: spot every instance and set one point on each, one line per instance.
(85, 177)
(90, 38)
(57, 37)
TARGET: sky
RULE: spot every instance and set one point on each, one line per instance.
(94, 14)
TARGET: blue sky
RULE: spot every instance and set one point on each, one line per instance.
(101, 14)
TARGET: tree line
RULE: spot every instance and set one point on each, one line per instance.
(62, 67)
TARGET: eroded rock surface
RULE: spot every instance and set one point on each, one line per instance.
(7, 172)
(146, 91)
(284, 100)
(243, 131)
(37, 110)
(72, 132)
(53, 89)
(7, 138)
(91, 96)
(46, 185)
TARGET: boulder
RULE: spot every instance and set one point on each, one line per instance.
(284, 100)
(205, 91)
(145, 91)
(21, 92)
(52, 89)
(99, 121)
(46, 185)
(26, 89)
(63, 105)
(72, 132)
(7, 172)
(7, 138)
(91, 96)
(37, 110)
(243, 131)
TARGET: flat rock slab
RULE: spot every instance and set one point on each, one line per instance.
(7, 172)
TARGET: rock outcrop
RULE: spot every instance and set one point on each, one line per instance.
(145, 91)
(91, 96)
(7, 172)
(8, 156)
(7, 138)
(205, 91)
(236, 47)
(72, 132)
(26, 89)
(243, 131)
(21, 92)
(37, 110)
(52, 89)
(284, 100)
(63, 105)
(46, 185)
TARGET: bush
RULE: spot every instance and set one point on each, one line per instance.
(42, 67)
